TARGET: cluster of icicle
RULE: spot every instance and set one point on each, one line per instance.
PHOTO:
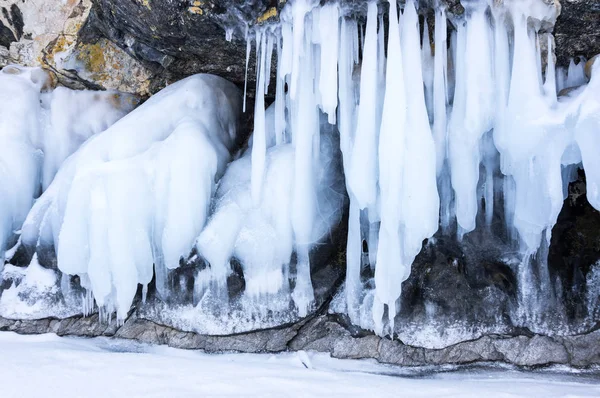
(418, 125)
(40, 126)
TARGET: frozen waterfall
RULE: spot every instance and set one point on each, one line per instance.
(423, 130)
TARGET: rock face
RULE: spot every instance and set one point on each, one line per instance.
(326, 333)
(141, 45)
(577, 30)
(47, 33)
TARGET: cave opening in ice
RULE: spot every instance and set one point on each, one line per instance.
(442, 130)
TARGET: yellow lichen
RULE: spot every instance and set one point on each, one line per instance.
(270, 13)
(146, 3)
(195, 8)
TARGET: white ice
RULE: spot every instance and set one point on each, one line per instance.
(262, 238)
(39, 129)
(138, 194)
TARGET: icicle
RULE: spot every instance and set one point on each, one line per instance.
(299, 11)
(306, 123)
(280, 121)
(440, 104)
(347, 88)
(362, 172)
(248, 48)
(353, 262)
(472, 114)
(427, 59)
(389, 271)
(561, 79)
(259, 144)
(550, 83)
(576, 73)
(329, 32)
(268, 60)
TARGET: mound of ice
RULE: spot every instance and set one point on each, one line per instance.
(261, 237)
(73, 116)
(39, 129)
(138, 194)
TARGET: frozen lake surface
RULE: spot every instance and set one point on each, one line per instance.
(51, 366)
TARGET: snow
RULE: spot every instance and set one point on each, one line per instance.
(72, 367)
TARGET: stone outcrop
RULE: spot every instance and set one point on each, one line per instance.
(327, 333)
(577, 30)
(141, 45)
(48, 33)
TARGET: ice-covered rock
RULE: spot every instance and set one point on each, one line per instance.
(261, 237)
(138, 194)
(39, 129)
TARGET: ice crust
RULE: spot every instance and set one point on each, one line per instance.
(262, 238)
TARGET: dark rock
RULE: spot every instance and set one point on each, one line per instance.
(14, 31)
(574, 248)
(325, 334)
(176, 39)
(577, 30)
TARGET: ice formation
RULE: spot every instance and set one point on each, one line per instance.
(39, 129)
(437, 130)
(427, 122)
(262, 238)
(138, 194)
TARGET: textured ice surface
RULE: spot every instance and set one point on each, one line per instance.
(39, 129)
(262, 238)
(36, 292)
(138, 194)
(426, 132)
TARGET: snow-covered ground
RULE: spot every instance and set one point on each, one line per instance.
(50, 366)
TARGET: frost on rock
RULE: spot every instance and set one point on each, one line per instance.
(138, 194)
(36, 292)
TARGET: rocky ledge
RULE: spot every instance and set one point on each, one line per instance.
(331, 334)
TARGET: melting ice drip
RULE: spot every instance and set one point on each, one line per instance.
(416, 125)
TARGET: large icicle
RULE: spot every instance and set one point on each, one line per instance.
(362, 169)
(346, 120)
(39, 129)
(328, 82)
(390, 270)
(473, 112)
(440, 116)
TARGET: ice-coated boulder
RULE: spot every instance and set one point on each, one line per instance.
(138, 194)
